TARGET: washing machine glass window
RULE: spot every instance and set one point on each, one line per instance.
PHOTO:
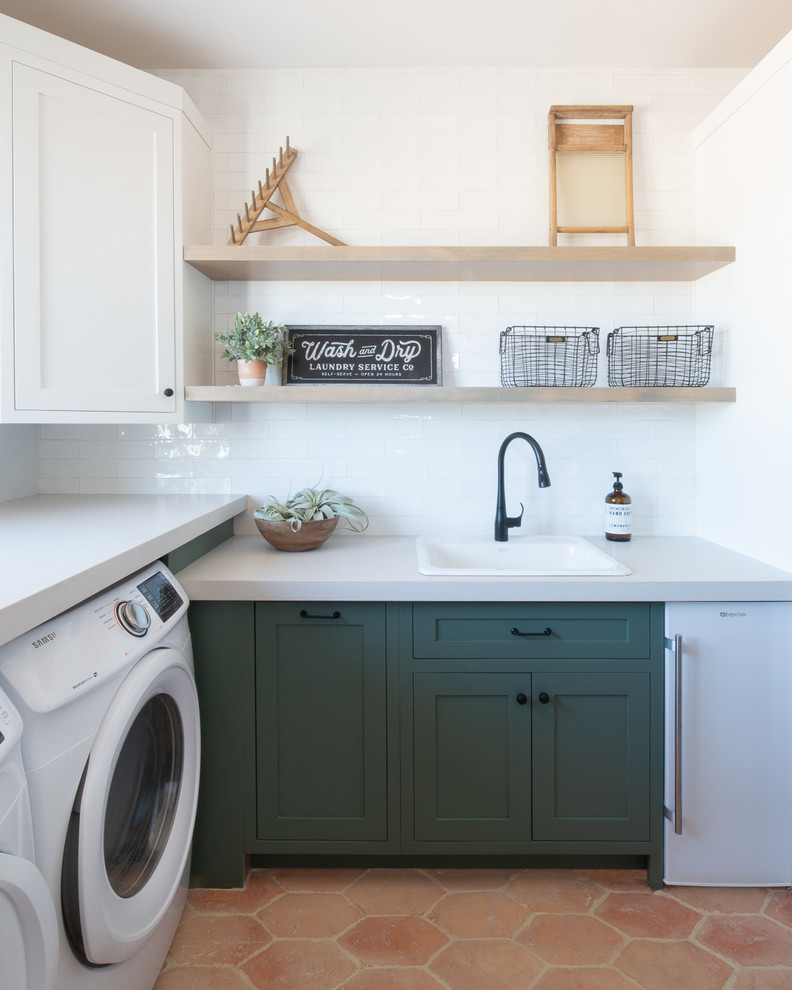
(143, 796)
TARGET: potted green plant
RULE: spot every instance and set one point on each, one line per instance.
(305, 520)
(254, 344)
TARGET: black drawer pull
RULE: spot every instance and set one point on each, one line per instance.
(307, 615)
(544, 697)
(545, 632)
(521, 699)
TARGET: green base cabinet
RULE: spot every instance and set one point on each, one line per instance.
(428, 732)
(533, 729)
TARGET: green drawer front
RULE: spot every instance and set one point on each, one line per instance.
(518, 631)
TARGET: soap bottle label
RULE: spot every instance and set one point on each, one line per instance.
(618, 519)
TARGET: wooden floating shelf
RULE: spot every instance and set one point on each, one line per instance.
(247, 263)
(430, 393)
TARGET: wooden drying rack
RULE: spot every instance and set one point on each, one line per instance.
(286, 215)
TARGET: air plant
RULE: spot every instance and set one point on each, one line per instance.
(310, 505)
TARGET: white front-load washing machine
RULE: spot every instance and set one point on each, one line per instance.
(28, 926)
(111, 749)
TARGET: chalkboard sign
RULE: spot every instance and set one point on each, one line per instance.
(343, 355)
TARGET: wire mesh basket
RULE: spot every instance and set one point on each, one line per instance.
(549, 356)
(659, 356)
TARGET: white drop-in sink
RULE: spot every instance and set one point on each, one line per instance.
(521, 556)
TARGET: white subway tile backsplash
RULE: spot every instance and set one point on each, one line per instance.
(58, 486)
(190, 486)
(72, 431)
(429, 157)
(117, 449)
(54, 467)
(59, 449)
(118, 486)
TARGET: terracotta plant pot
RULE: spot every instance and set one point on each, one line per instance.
(279, 534)
(252, 372)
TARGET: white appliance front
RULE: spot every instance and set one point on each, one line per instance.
(28, 925)
(130, 830)
(111, 750)
(728, 748)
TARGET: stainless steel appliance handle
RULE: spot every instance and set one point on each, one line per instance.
(675, 645)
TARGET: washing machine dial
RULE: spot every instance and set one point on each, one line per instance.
(133, 617)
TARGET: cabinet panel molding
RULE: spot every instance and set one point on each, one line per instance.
(577, 631)
(471, 757)
(321, 741)
(591, 746)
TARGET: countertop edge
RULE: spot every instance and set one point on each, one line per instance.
(50, 599)
(384, 569)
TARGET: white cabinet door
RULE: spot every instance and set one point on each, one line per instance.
(94, 264)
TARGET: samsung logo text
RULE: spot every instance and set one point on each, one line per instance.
(43, 640)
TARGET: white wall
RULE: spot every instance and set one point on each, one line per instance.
(434, 156)
(18, 461)
(744, 197)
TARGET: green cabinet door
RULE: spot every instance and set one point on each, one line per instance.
(321, 726)
(591, 742)
(471, 757)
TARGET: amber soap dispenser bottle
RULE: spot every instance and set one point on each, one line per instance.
(618, 512)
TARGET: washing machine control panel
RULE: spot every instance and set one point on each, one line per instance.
(133, 617)
(161, 595)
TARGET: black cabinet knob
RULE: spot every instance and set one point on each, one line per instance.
(168, 392)
(522, 699)
(544, 697)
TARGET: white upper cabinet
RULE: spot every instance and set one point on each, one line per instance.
(93, 250)
(93, 294)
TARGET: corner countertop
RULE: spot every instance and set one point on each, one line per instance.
(58, 550)
(381, 568)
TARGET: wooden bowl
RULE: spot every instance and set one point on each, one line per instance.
(279, 534)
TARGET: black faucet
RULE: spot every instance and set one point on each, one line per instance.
(504, 523)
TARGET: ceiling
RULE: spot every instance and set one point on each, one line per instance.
(178, 34)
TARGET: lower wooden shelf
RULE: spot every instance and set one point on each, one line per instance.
(431, 393)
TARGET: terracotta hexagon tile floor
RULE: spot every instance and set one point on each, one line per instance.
(489, 929)
(648, 915)
(748, 940)
(478, 914)
(393, 941)
(572, 940)
(660, 965)
(321, 915)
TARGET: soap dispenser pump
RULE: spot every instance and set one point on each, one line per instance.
(618, 511)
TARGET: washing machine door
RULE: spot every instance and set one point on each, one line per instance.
(130, 832)
(28, 927)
